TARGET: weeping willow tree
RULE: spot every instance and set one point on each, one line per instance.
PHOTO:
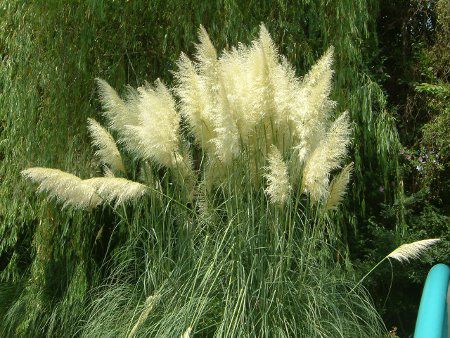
(50, 54)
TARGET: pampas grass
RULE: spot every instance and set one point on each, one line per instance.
(338, 188)
(313, 105)
(72, 191)
(118, 113)
(195, 107)
(404, 253)
(187, 333)
(66, 188)
(156, 136)
(148, 306)
(106, 147)
(226, 262)
(326, 157)
(116, 190)
(278, 186)
(249, 98)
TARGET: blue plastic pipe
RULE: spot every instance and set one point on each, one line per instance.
(432, 319)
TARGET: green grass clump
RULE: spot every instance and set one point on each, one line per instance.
(241, 268)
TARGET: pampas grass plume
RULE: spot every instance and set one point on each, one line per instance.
(312, 105)
(326, 157)
(66, 188)
(338, 188)
(157, 134)
(117, 112)
(406, 252)
(277, 178)
(106, 146)
(187, 333)
(84, 194)
(195, 106)
(206, 53)
(148, 306)
(116, 190)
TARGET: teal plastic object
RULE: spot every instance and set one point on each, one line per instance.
(432, 320)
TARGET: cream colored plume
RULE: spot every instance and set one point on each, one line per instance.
(66, 188)
(226, 135)
(106, 146)
(157, 134)
(275, 88)
(187, 333)
(196, 106)
(278, 187)
(338, 188)
(269, 49)
(250, 97)
(412, 250)
(270, 65)
(326, 157)
(242, 96)
(403, 253)
(206, 54)
(313, 105)
(117, 112)
(116, 190)
(316, 88)
(227, 139)
(287, 88)
(148, 307)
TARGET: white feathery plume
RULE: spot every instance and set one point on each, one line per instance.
(268, 47)
(313, 105)
(226, 140)
(404, 253)
(338, 188)
(265, 57)
(318, 82)
(117, 190)
(157, 134)
(206, 53)
(106, 146)
(66, 188)
(278, 186)
(195, 105)
(412, 250)
(187, 333)
(275, 87)
(325, 158)
(242, 96)
(316, 88)
(249, 90)
(286, 88)
(148, 307)
(269, 62)
(117, 112)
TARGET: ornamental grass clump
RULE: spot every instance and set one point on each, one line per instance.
(246, 104)
(223, 180)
